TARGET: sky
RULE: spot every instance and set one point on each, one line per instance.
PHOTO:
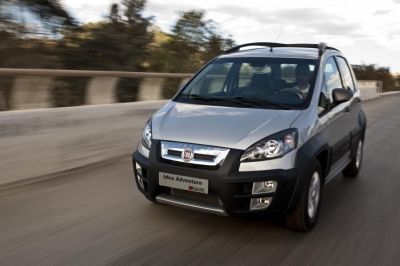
(366, 31)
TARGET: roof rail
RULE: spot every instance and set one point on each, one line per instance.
(322, 47)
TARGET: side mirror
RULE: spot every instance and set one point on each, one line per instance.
(341, 95)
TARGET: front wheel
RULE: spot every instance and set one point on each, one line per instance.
(354, 166)
(305, 215)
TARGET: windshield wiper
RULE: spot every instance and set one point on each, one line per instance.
(236, 100)
(258, 100)
(209, 99)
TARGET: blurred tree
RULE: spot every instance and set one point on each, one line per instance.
(193, 42)
(43, 16)
(114, 44)
(119, 43)
(114, 13)
(41, 34)
(20, 46)
(23, 23)
(215, 46)
(374, 72)
(156, 59)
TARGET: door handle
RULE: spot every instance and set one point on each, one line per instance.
(347, 110)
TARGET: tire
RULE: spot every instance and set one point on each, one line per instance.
(354, 166)
(305, 215)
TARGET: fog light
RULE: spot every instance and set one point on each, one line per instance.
(264, 187)
(140, 181)
(264, 202)
(270, 185)
(139, 169)
(260, 203)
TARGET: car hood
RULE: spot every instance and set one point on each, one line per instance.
(229, 127)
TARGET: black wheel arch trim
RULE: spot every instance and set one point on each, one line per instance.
(306, 154)
(362, 120)
(358, 133)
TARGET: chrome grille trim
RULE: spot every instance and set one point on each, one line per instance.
(216, 154)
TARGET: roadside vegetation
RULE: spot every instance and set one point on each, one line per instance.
(42, 34)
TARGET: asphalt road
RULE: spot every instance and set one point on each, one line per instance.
(98, 217)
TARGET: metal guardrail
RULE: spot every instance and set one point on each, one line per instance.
(31, 88)
(88, 73)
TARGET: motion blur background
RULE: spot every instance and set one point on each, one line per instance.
(67, 191)
(125, 36)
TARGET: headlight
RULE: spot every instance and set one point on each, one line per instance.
(274, 146)
(146, 136)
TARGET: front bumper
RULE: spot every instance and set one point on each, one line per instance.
(230, 191)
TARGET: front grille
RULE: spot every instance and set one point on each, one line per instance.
(209, 198)
(204, 157)
(194, 166)
(174, 153)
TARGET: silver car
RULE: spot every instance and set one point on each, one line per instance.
(256, 132)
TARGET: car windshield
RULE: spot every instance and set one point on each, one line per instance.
(258, 82)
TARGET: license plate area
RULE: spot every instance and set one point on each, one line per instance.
(183, 182)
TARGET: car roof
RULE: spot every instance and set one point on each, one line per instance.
(279, 52)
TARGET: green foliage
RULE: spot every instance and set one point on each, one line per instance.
(288, 71)
(125, 41)
(128, 89)
(115, 44)
(5, 90)
(191, 29)
(50, 15)
(194, 42)
(69, 91)
(374, 72)
(171, 87)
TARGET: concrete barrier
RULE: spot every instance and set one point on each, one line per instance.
(3, 105)
(31, 93)
(151, 89)
(32, 88)
(101, 90)
(37, 143)
(368, 89)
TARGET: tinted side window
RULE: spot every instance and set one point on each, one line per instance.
(346, 74)
(287, 73)
(332, 78)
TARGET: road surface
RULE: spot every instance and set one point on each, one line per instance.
(98, 217)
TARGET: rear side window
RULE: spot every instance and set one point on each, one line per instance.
(288, 72)
(346, 74)
(332, 78)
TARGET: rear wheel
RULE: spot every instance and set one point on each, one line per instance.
(305, 215)
(354, 166)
